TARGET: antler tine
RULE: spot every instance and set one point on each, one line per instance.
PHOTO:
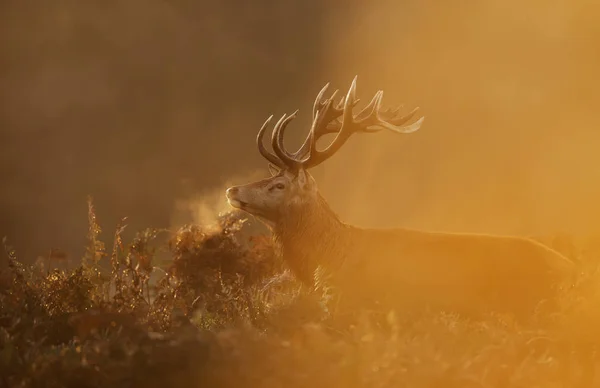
(400, 120)
(375, 120)
(273, 159)
(325, 120)
(367, 120)
(316, 157)
(318, 104)
(277, 141)
(323, 112)
(278, 134)
(322, 125)
(390, 115)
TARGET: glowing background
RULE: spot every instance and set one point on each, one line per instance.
(147, 104)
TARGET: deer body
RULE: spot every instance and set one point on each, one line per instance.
(402, 268)
(468, 273)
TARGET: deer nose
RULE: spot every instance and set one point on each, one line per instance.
(231, 191)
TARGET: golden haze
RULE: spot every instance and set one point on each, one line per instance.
(510, 94)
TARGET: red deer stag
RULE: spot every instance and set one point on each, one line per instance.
(468, 273)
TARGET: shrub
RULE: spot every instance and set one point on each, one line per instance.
(206, 306)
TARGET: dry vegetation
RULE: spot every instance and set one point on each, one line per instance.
(205, 306)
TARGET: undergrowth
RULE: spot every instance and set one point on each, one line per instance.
(206, 306)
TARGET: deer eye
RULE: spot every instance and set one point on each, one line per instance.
(280, 186)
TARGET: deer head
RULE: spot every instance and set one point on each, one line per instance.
(291, 188)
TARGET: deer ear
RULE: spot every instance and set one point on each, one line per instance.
(273, 170)
(305, 180)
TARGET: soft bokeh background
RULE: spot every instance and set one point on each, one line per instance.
(510, 90)
(149, 105)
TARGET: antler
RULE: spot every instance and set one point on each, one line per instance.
(391, 116)
(325, 120)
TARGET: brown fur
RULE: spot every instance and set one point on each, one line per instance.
(403, 268)
(400, 268)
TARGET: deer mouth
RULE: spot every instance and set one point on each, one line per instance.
(237, 203)
(245, 206)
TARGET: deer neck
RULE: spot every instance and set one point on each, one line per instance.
(309, 236)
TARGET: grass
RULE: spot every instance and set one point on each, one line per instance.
(206, 306)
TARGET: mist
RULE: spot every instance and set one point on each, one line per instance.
(509, 91)
(153, 107)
